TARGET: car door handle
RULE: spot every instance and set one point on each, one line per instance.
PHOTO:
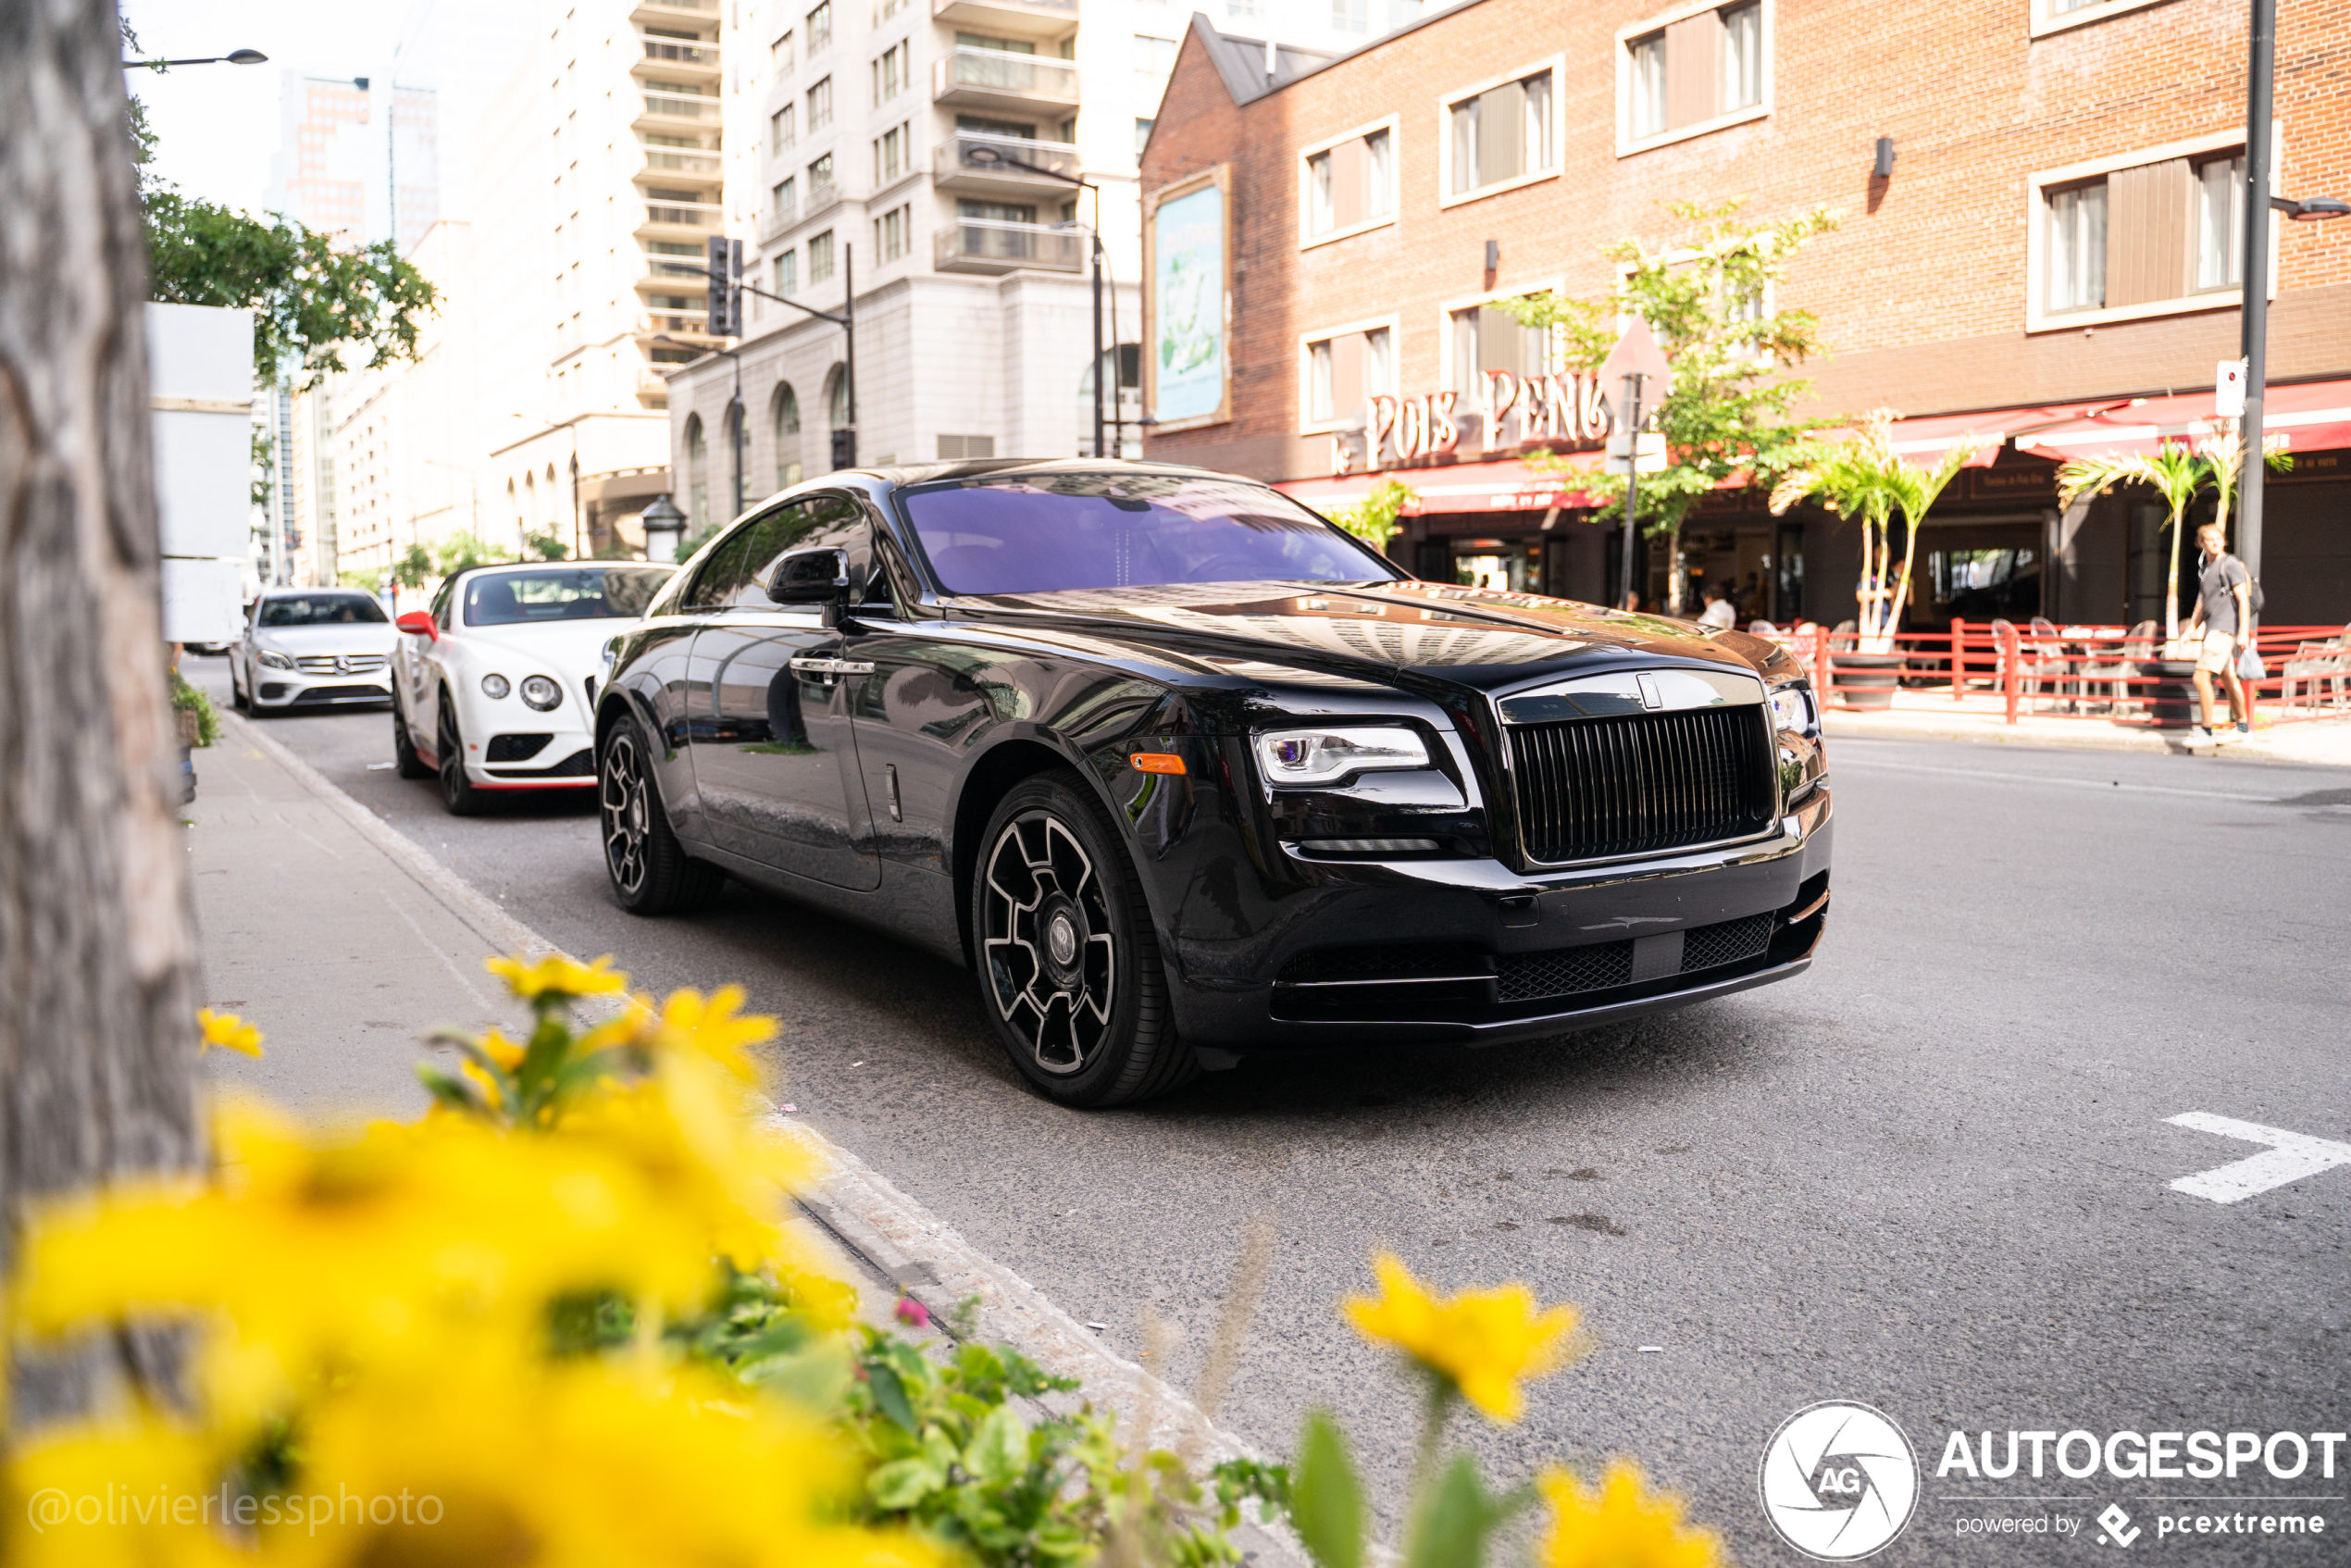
(831, 667)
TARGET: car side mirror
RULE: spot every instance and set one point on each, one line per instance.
(811, 576)
(418, 623)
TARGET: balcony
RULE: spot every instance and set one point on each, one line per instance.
(670, 13)
(684, 56)
(674, 112)
(975, 160)
(692, 169)
(1009, 18)
(661, 217)
(998, 79)
(983, 244)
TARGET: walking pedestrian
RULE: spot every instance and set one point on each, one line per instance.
(2224, 611)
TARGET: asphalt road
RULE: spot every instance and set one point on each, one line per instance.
(1932, 1176)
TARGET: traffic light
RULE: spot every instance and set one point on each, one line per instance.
(844, 449)
(723, 294)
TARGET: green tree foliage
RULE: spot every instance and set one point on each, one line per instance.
(1705, 293)
(548, 546)
(461, 551)
(414, 569)
(1374, 518)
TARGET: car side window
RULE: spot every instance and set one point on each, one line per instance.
(444, 604)
(835, 522)
(733, 562)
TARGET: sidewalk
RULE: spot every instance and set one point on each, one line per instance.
(345, 944)
(1926, 716)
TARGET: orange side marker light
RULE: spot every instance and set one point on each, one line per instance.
(1157, 762)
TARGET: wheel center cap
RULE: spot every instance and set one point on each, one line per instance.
(1061, 937)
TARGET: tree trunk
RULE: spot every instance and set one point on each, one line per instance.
(98, 955)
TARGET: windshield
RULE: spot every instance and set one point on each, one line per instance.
(321, 609)
(1036, 533)
(570, 593)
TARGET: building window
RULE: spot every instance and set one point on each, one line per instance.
(1142, 137)
(820, 29)
(2220, 222)
(1694, 72)
(787, 274)
(1501, 135)
(1245, 10)
(1351, 15)
(820, 257)
(889, 154)
(1344, 370)
(1351, 183)
(891, 71)
(1485, 337)
(820, 105)
(1154, 56)
(2077, 248)
(786, 200)
(785, 417)
(889, 232)
(780, 131)
(779, 56)
(820, 178)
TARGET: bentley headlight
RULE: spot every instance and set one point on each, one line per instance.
(1792, 709)
(1292, 757)
(540, 692)
(275, 660)
(494, 686)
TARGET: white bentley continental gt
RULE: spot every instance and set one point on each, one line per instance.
(494, 687)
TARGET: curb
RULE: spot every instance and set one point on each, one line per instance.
(896, 1238)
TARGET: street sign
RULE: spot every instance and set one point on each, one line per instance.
(1636, 353)
(2228, 390)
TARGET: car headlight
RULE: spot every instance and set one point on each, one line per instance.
(540, 692)
(1792, 709)
(494, 686)
(275, 660)
(1321, 756)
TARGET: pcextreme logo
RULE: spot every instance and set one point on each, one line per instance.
(1839, 1480)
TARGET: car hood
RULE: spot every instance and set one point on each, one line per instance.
(368, 637)
(572, 648)
(1480, 638)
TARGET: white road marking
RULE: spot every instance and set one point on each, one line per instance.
(1846, 760)
(2291, 1156)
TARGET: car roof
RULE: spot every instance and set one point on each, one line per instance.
(924, 473)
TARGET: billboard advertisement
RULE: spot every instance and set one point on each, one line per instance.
(1189, 236)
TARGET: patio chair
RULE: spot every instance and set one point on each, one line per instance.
(2046, 659)
(2138, 644)
(1762, 628)
(2315, 661)
(1843, 637)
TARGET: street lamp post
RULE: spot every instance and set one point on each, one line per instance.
(233, 58)
(990, 155)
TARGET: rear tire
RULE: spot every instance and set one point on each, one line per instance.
(404, 746)
(1070, 973)
(652, 873)
(457, 791)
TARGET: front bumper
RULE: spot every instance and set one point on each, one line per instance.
(291, 688)
(555, 759)
(1468, 950)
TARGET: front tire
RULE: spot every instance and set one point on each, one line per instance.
(237, 698)
(457, 791)
(652, 873)
(404, 746)
(1070, 973)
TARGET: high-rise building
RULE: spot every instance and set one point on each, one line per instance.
(958, 156)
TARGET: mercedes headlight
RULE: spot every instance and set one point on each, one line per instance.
(275, 660)
(540, 692)
(1292, 757)
(1792, 710)
(494, 686)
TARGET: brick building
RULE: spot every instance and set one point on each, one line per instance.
(2055, 240)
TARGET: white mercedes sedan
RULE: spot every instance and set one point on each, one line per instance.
(311, 647)
(494, 687)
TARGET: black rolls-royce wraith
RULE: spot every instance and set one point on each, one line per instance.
(1184, 772)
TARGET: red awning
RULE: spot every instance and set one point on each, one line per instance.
(1501, 484)
(2313, 417)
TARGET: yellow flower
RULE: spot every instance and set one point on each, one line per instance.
(1483, 1343)
(228, 1031)
(714, 1028)
(1622, 1526)
(500, 1050)
(557, 975)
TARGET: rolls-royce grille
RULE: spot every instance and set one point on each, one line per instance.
(1596, 787)
(1564, 971)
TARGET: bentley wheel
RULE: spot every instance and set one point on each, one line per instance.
(651, 872)
(1069, 966)
(457, 791)
(404, 746)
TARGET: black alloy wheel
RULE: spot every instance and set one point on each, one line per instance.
(652, 873)
(457, 791)
(1069, 966)
(404, 746)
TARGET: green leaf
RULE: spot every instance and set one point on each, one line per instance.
(817, 1377)
(904, 1483)
(890, 1394)
(1451, 1532)
(999, 1451)
(1326, 1501)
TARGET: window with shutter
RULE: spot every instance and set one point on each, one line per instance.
(1501, 134)
(1343, 370)
(1693, 70)
(1346, 184)
(2131, 236)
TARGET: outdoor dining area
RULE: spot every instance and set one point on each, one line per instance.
(2118, 675)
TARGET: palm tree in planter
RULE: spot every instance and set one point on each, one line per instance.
(1864, 477)
(2174, 470)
